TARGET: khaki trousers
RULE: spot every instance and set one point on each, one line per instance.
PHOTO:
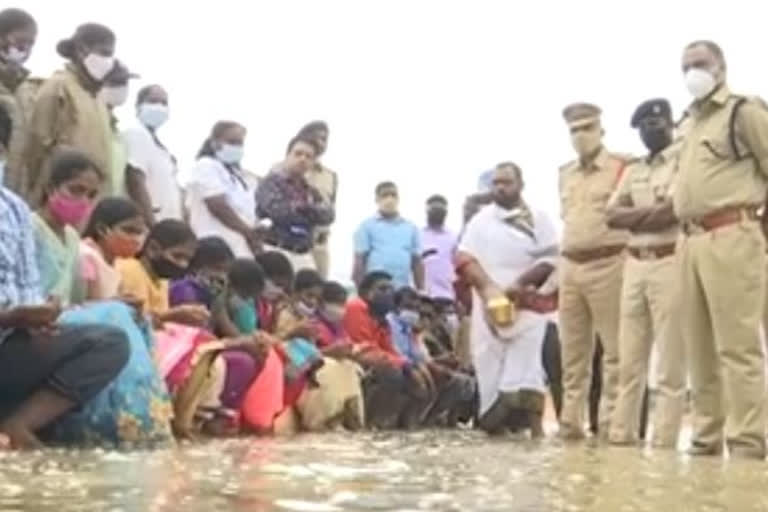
(589, 304)
(648, 295)
(722, 295)
(321, 253)
(338, 400)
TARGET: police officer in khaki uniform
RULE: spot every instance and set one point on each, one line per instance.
(590, 270)
(642, 205)
(68, 111)
(326, 182)
(721, 185)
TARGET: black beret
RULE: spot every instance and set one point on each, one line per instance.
(655, 107)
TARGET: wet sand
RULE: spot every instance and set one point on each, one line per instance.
(429, 470)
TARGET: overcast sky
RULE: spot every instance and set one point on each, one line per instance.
(425, 93)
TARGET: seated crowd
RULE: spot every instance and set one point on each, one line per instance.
(117, 334)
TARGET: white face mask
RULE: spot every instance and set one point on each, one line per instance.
(410, 317)
(230, 153)
(98, 66)
(334, 312)
(153, 115)
(114, 96)
(585, 143)
(699, 82)
(16, 56)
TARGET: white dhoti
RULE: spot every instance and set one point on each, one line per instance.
(506, 252)
(508, 365)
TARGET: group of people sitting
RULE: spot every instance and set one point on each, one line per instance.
(149, 333)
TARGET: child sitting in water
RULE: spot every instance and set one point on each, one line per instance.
(336, 396)
(235, 312)
(294, 323)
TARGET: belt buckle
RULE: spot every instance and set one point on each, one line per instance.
(646, 254)
(692, 227)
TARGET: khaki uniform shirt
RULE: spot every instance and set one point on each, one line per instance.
(11, 80)
(710, 176)
(65, 114)
(584, 195)
(324, 181)
(645, 183)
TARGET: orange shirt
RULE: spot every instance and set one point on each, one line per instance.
(364, 329)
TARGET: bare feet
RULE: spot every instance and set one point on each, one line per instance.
(19, 438)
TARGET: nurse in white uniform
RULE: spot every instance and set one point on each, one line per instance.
(219, 197)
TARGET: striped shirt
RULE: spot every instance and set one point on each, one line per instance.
(19, 274)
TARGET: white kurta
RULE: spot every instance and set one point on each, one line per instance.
(505, 253)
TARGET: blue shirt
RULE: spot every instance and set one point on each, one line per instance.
(19, 273)
(404, 340)
(389, 245)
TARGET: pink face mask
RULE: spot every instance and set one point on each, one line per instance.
(69, 210)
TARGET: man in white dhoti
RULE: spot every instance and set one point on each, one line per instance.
(509, 250)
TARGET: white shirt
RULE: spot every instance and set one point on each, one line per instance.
(159, 168)
(505, 252)
(210, 178)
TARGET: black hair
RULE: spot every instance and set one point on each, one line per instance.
(88, 34)
(275, 265)
(403, 294)
(370, 279)
(13, 19)
(437, 198)
(217, 131)
(306, 279)
(68, 164)
(6, 127)
(514, 166)
(145, 91)
(170, 233)
(381, 187)
(314, 126)
(304, 138)
(712, 46)
(246, 277)
(334, 293)
(211, 250)
(108, 213)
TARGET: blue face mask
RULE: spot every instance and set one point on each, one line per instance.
(2, 172)
(230, 153)
(409, 317)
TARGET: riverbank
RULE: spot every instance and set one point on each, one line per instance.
(429, 470)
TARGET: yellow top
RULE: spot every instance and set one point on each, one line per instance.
(585, 189)
(136, 282)
(646, 182)
(710, 176)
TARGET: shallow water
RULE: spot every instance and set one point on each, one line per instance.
(456, 470)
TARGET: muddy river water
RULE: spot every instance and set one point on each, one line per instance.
(431, 470)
